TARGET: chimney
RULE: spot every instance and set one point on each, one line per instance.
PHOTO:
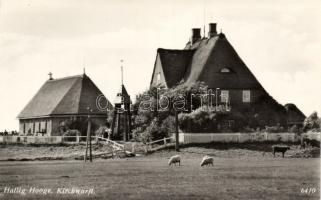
(196, 34)
(212, 30)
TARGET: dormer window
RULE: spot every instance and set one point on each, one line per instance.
(158, 78)
(225, 70)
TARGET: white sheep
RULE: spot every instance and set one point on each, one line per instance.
(175, 159)
(207, 160)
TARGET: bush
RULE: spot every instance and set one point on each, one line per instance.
(274, 129)
(152, 124)
(264, 112)
(295, 129)
(202, 120)
(313, 122)
(155, 130)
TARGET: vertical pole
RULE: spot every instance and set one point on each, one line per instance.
(125, 126)
(118, 124)
(129, 120)
(90, 151)
(122, 76)
(216, 99)
(86, 152)
(113, 123)
(88, 139)
(176, 132)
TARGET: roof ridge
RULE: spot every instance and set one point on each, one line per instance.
(67, 77)
(174, 50)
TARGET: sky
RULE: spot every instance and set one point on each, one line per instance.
(280, 42)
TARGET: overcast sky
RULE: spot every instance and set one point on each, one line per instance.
(280, 41)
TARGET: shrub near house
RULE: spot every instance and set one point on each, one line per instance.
(199, 115)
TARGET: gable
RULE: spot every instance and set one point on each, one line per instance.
(158, 72)
(170, 66)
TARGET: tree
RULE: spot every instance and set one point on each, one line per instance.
(312, 122)
(154, 109)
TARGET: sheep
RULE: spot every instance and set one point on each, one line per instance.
(281, 149)
(207, 160)
(175, 159)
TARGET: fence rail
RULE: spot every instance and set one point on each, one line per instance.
(188, 138)
(13, 139)
(113, 143)
(162, 143)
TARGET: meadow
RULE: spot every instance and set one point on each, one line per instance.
(149, 177)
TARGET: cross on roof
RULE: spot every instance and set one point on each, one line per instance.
(50, 76)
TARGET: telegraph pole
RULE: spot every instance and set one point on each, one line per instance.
(88, 139)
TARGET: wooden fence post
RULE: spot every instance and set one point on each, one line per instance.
(146, 150)
(88, 142)
(176, 132)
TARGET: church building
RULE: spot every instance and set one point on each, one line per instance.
(62, 104)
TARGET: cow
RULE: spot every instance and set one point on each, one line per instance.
(281, 149)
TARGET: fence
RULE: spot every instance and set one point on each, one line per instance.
(188, 138)
(159, 144)
(115, 145)
(12, 139)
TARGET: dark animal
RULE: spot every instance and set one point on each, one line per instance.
(281, 149)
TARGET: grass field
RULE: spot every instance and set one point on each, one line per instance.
(151, 178)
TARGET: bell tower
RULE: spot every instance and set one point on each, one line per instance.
(121, 123)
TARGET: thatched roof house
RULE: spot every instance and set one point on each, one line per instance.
(212, 60)
(60, 102)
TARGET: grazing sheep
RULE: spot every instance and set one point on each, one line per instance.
(207, 160)
(281, 149)
(175, 159)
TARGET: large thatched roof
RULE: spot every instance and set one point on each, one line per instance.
(65, 96)
(203, 61)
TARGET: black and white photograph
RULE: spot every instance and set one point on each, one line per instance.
(173, 99)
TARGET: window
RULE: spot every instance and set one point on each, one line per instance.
(158, 77)
(246, 96)
(225, 70)
(225, 96)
